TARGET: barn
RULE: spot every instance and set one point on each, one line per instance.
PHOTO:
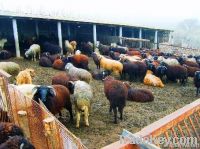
(20, 24)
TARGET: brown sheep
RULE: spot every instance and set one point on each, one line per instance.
(58, 64)
(25, 76)
(116, 92)
(9, 129)
(191, 70)
(55, 98)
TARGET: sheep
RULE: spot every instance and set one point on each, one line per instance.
(25, 76)
(45, 62)
(9, 129)
(191, 70)
(16, 142)
(2, 42)
(110, 65)
(124, 57)
(51, 48)
(98, 75)
(79, 73)
(104, 49)
(139, 95)
(152, 80)
(70, 48)
(80, 61)
(116, 92)
(54, 97)
(51, 57)
(133, 52)
(188, 63)
(83, 95)
(96, 60)
(197, 81)
(161, 71)
(135, 70)
(63, 78)
(4, 116)
(169, 61)
(58, 64)
(4, 54)
(87, 48)
(119, 50)
(10, 67)
(33, 51)
(177, 72)
(114, 55)
(26, 89)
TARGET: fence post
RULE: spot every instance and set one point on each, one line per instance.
(51, 133)
(23, 123)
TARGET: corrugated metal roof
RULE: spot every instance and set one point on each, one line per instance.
(39, 11)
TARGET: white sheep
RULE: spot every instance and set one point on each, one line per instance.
(169, 61)
(2, 42)
(10, 67)
(79, 73)
(33, 51)
(124, 57)
(82, 98)
(26, 89)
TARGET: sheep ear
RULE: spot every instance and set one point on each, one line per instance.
(34, 90)
(52, 91)
(21, 146)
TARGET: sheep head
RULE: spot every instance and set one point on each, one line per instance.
(68, 66)
(43, 92)
(31, 72)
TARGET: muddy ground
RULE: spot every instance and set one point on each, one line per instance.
(102, 130)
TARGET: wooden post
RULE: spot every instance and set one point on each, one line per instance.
(15, 32)
(140, 37)
(37, 29)
(51, 133)
(60, 36)
(120, 34)
(23, 123)
(156, 40)
(94, 35)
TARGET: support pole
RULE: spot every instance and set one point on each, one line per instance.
(156, 40)
(120, 34)
(140, 36)
(60, 36)
(94, 34)
(68, 31)
(15, 32)
(37, 29)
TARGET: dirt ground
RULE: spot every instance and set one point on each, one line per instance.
(102, 131)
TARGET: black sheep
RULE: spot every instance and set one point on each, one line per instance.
(96, 60)
(51, 48)
(98, 75)
(161, 71)
(197, 81)
(5, 55)
(119, 50)
(16, 142)
(45, 62)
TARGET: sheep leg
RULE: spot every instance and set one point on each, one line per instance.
(110, 110)
(69, 108)
(115, 115)
(121, 113)
(60, 114)
(86, 114)
(78, 117)
(34, 56)
(197, 92)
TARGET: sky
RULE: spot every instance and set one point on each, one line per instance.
(155, 13)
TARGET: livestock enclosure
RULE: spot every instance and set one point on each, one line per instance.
(39, 125)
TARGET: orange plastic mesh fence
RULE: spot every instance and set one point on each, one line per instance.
(36, 113)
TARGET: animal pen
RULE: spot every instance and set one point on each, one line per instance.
(39, 125)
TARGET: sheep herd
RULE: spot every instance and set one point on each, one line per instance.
(116, 65)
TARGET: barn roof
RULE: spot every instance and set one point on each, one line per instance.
(63, 13)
